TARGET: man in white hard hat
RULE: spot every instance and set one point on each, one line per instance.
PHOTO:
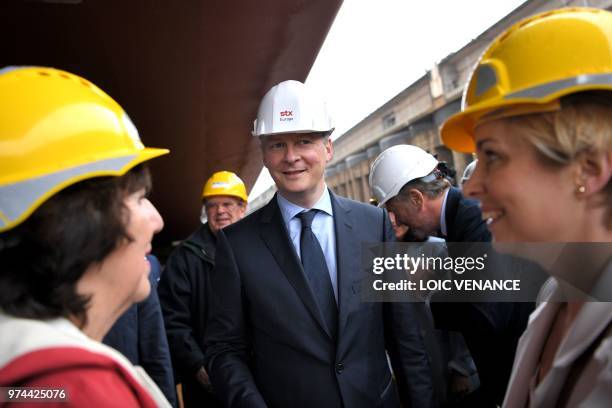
(287, 326)
(405, 180)
(184, 285)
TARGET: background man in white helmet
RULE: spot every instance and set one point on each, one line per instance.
(405, 180)
(182, 289)
(287, 326)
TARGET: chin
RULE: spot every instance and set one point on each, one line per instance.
(505, 238)
(143, 290)
(294, 186)
(501, 233)
(291, 190)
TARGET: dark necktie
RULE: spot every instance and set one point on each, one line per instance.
(315, 268)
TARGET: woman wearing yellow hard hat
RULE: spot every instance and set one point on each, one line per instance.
(75, 227)
(538, 112)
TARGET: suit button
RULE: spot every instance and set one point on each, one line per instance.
(339, 368)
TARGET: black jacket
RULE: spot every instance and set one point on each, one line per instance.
(464, 219)
(182, 293)
(139, 335)
(491, 329)
(266, 341)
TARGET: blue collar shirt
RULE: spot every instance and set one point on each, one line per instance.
(322, 227)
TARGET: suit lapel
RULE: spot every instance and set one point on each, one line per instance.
(347, 259)
(528, 350)
(274, 234)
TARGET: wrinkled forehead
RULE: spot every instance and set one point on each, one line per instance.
(287, 137)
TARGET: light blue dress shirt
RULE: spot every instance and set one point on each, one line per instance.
(322, 226)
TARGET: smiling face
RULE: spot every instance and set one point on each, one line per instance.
(296, 162)
(523, 198)
(222, 211)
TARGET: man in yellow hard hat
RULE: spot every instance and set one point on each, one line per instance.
(182, 289)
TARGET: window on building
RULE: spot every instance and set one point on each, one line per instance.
(358, 189)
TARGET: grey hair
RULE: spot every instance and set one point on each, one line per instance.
(431, 186)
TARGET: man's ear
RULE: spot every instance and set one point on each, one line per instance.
(416, 198)
(243, 207)
(594, 171)
(262, 146)
(329, 148)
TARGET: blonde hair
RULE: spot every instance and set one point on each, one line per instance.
(583, 125)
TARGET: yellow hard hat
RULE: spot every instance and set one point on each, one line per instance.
(225, 183)
(57, 129)
(531, 65)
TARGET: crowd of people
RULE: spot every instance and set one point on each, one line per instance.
(268, 309)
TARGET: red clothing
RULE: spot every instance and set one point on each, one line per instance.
(56, 354)
(89, 379)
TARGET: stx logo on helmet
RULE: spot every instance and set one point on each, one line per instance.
(286, 116)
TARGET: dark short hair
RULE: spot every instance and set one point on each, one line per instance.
(42, 259)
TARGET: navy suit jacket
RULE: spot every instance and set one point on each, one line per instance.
(491, 329)
(464, 221)
(140, 336)
(266, 343)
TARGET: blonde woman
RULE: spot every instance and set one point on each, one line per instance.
(538, 112)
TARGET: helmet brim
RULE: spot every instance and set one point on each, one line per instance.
(20, 199)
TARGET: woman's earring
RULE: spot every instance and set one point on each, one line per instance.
(581, 189)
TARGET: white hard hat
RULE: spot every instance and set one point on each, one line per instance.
(395, 167)
(290, 107)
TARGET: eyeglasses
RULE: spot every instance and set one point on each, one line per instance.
(227, 205)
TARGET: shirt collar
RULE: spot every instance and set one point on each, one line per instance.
(290, 210)
(443, 214)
